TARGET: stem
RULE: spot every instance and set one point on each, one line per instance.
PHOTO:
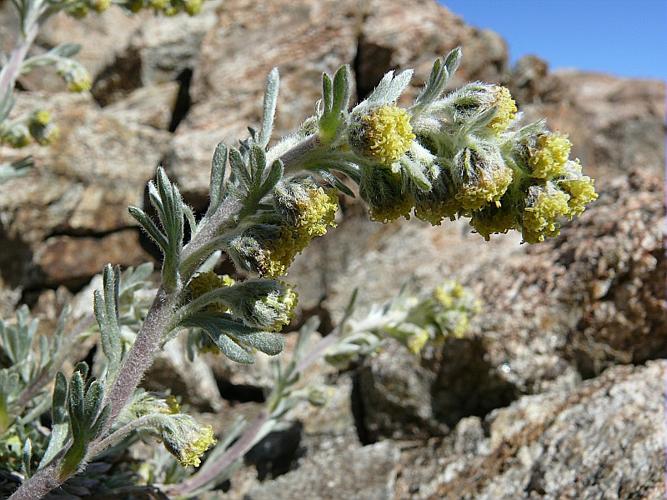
(294, 157)
(116, 436)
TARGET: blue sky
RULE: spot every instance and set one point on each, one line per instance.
(620, 37)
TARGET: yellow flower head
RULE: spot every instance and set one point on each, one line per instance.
(447, 294)
(311, 213)
(487, 187)
(540, 217)
(383, 191)
(480, 176)
(207, 282)
(17, 136)
(548, 159)
(417, 341)
(193, 7)
(279, 306)
(385, 134)
(172, 405)
(493, 220)
(435, 211)
(505, 109)
(100, 5)
(196, 446)
(581, 191)
(41, 117)
(317, 212)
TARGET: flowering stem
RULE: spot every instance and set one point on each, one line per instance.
(157, 324)
(12, 69)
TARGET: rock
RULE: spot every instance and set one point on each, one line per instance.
(604, 439)
(72, 260)
(81, 187)
(366, 473)
(531, 82)
(304, 39)
(617, 124)
(394, 394)
(193, 381)
(111, 32)
(163, 49)
(152, 105)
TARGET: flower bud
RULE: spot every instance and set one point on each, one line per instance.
(100, 5)
(265, 304)
(317, 397)
(544, 206)
(78, 10)
(306, 207)
(193, 7)
(41, 128)
(548, 156)
(417, 341)
(17, 135)
(453, 306)
(475, 98)
(186, 439)
(75, 75)
(386, 194)
(440, 202)
(580, 187)
(383, 134)
(207, 282)
(494, 220)
(480, 176)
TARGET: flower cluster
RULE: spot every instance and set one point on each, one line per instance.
(81, 8)
(414, 319)
(187, 440)
(383, 133)
(462, 155)
(37, 127)
(301, 211)
(443, 313)
(265, 304)
(75, 75)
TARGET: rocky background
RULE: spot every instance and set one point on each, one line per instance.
(559, 390)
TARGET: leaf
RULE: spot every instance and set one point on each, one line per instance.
(414, 171)
(453, 60)
(59, 426)
(327, 93)
(390, 87)
(239, 168)
(236, 339)
(341, 89)
(434, 86)
(275, 174)
(66, 50)
(270, 100)
(149, 227)
(218, 171)
(107, 315)
(26, 457)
